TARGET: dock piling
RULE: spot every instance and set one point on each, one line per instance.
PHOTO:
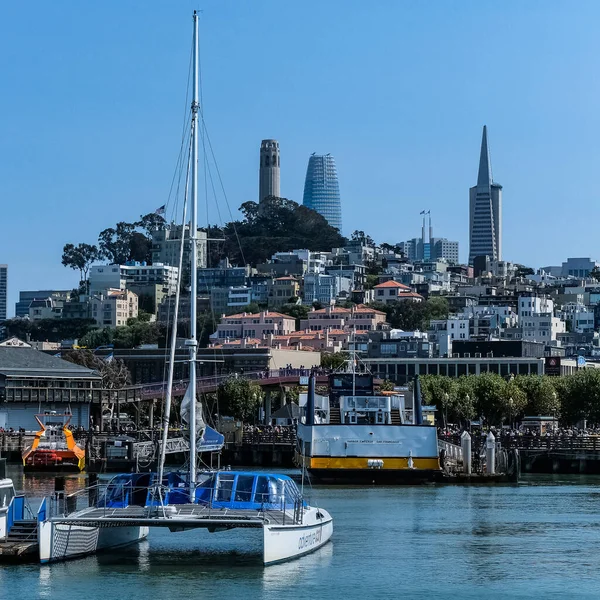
(490, 453)
(465, 443)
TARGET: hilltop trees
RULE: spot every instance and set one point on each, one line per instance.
(276, 225)
(125, 241)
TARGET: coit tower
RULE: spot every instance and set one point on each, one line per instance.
(268, 178)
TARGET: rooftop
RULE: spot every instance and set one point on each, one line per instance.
(20, 361)
(392, 284)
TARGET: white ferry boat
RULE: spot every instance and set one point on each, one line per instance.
(357, 436)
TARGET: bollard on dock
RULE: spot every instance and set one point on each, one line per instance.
(465, 443)
(490, 454)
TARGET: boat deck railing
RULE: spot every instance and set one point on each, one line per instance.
(93, 506)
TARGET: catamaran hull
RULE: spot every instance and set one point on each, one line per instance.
(59, 541)
(286, 542)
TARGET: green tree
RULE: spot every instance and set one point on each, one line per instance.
(114, 242)
(51, 330)
(515, 401)
(523, 271)
(298, 311)
(240, 398)
(490, 400)
(411, 316)
(441, 392)
(464, 403)
(252, 309)
(542, 398)
(371, 282)
(333, 360)
(80, 258)
(363, 238)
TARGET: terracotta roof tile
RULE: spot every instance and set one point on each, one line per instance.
(392, 284)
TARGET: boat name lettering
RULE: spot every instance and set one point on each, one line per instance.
(310, 539)
(373, 442)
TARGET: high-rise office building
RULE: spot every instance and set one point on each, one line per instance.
(485, 210)
(268, 176)
(322, 189)
(3, 290)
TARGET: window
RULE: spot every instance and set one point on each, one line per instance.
(243, 489)
(224, 488)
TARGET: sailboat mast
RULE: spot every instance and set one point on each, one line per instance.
(193, 342)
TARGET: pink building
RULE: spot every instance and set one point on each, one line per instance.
(259, 325)
(359, 318)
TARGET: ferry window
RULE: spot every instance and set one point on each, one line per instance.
(243, 489)
(262, 490)
(224, 488)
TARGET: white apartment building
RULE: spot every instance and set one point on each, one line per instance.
(506, 316)
(113, 307)
(458, 328)
(535, 305)
(542, 327)
(579, 316)
(119, 277)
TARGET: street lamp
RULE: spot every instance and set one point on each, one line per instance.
(510, 411)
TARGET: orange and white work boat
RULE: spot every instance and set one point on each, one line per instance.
(54, 446)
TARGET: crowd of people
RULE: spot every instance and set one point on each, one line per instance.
(279, 433)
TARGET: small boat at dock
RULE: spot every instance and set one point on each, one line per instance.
(54, 447)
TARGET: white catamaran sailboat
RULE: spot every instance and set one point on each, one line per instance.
(123, 511)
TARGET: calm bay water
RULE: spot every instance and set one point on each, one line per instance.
(541, 538)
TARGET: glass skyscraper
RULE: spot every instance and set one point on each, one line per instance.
(322, 190)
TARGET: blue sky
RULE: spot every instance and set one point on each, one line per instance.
(93, 96)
